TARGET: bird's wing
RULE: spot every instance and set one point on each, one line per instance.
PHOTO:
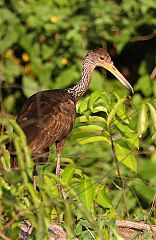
(47, 117)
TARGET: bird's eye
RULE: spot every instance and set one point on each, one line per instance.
(101, 58)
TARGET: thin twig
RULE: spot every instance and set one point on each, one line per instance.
(118, 170)
(135, 225)
(144, 38)
(152, 208)
(153, 74)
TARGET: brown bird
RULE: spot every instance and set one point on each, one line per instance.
(48, 117)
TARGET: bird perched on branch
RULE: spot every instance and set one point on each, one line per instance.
(48, 117)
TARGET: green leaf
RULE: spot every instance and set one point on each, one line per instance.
(29, 86)
(3, 138)
(147, 171)
(90, 128)
(5, 157)
(93, 98)
(68, 174)
(114, 110)
(83, 106)
(142, 120)
(144, 190)
(100, 109)
(97, 81)
(66, 77)
(153, 114)
(126, 156)
(144, 84)
(90, 119)
(133, 139)
(102, 199)
(93, 139)
(86, 193)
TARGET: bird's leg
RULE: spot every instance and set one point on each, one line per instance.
(58, 173)
(59, 148)
(58, 165)
(35, 174)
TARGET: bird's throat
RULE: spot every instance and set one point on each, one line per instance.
(81, 87)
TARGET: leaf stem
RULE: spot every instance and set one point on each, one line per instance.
(119, 174)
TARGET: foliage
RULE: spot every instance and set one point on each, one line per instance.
(52, 37)
(112, 147)
(91, 199)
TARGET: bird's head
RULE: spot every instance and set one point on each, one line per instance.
(101, 58)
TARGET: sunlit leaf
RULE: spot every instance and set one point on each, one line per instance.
(153, 114)
(133, 139)
(90, 128)
(29, 86)
(93, 139)
(90, 119)
(3, 138)
(100, 109)
(114, 110)
(142, 120)
(67, 174)
(86, 193)
(102, 199)
(83, 106)
(93, 98)
(126, 156)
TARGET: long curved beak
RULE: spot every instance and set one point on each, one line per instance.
(110, 67)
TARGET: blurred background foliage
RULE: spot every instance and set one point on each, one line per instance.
(42, 46)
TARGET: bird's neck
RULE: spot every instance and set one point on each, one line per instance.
(81, 87)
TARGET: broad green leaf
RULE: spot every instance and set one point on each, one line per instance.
(114, 110)
(86, 193)
(153, 114)
(133, 139)
(102, 199)
(90, 128)
(147, 171)
(67, 160)
(9, 39)
(144, 84)
(142, 120)
(29, 86)
(100, 109)
(126, 156)
(93, 139)
(123, 126)
(144, 190)
(93, 98)
(83, 106)
(67, 174)
(49, 186)
(90, 119)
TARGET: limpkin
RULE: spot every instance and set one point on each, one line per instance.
(48, 117)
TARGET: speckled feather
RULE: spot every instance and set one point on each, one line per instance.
(47, 117)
